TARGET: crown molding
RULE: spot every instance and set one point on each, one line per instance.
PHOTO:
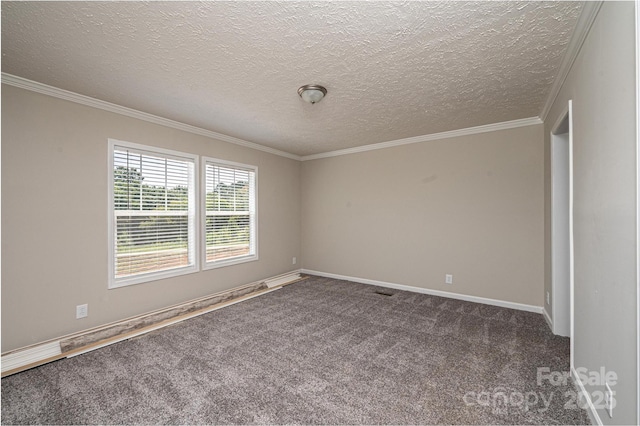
(432, 137)
(588, 15)
(45, 89)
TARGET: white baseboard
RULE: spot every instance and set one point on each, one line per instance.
(593, 413)
(30, 355)
(476, 299)
(283, 279)
(548, 318)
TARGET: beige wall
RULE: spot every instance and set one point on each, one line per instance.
(470, 206)
(601, 85)
(54, 217)
(473, 206)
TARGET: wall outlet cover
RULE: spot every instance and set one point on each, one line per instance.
(82, 311)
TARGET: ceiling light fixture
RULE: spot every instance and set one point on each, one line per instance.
(312, 93)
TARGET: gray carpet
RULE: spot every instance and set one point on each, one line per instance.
(321, 351)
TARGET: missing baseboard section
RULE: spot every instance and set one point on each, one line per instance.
(88, 340)
(147, 320)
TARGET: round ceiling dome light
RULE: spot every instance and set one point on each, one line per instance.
(312, 93)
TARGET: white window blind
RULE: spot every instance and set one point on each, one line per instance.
(153, 215)
(230, 213)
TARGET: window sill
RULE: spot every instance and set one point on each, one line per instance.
(152, 276)
(229, 262)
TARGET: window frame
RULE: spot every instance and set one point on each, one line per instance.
(193, 215)
(203, 215)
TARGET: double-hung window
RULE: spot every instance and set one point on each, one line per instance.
(152, 207)
(229, 213)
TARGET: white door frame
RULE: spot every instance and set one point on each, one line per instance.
(637, 16)
(560, 259)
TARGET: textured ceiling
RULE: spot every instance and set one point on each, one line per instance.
(392, 69)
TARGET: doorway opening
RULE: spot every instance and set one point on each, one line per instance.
(560, 299)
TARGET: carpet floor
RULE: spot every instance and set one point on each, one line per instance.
(321, 351)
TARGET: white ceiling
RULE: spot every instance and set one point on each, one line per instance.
(393, 70)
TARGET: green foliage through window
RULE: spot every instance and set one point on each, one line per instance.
(229, 222)
(151, 212)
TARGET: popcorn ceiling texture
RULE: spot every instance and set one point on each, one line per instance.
(392, 69)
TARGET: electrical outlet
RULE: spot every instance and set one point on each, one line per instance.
(82, 311)
(609, 402)
(548, 303)
(448, 279)
(294, 261)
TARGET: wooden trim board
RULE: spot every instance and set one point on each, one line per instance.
(78, 350)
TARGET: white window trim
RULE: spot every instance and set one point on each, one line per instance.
(203, 220)
(151, 276)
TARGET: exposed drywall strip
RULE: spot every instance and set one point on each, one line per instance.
(475, 299)
(77, 343)
(119, 338)
(57, 340)
(586, 19)
(432, 137)
(34, 86)
(146, 320)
